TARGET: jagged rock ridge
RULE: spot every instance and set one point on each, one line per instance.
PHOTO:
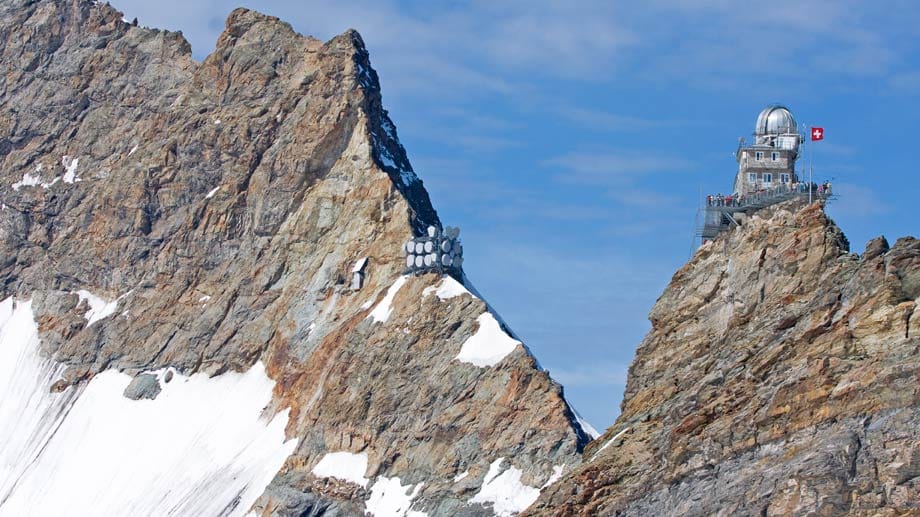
(173, 220)
(779, 378)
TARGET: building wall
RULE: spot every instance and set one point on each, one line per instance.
(784, 159)
(749, 164)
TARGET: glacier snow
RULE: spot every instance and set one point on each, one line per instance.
(203, 447)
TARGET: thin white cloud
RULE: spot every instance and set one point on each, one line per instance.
(603, 374)
(612, 168)
(906, 83)
(489, 47)
(644, 198)
(595, 119)
(857, 201)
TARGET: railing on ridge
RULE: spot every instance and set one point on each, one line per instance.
(718, 211)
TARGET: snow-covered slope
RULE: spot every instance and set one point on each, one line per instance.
(201, 447)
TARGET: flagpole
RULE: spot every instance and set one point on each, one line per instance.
(805, 145)
(811, 166)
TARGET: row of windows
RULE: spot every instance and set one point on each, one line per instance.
(758, 155)
(768, 177)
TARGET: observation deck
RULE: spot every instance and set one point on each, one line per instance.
(722, 214)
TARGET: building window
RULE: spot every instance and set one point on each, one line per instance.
(775, 156)
(784, 178)
(758, 155)
(752, 177)
(767, 177)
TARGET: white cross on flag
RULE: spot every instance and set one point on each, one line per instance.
(817, 133)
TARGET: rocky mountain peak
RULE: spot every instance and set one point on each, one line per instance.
(777, 379)
(172, 227)
(250, 74)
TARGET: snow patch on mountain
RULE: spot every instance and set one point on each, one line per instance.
(30, 180)
(558, 470)
(203, 447)
(385, 157)
(70, 166)
(448, 288)
(489, 345)
(584, 424)
(343, 465)
(98, 307)
(382, 311)
(505, 491)
(389, 498)
(609, 442)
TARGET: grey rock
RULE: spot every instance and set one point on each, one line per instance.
(876, 248)
(143, 386)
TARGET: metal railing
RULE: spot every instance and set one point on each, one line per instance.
(765, 197)
(718, 210)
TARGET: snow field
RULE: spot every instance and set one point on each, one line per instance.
(202, 447)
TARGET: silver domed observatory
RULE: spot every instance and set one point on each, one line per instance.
(766, 174)
(774, 120)
(770, 161)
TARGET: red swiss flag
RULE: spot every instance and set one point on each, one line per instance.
(817, 133)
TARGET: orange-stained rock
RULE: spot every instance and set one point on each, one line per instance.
(781, 377)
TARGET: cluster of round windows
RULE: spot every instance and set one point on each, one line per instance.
(440, 249)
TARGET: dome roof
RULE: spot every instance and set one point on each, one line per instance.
(775, 120)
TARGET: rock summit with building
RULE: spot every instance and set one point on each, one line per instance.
(208, 308)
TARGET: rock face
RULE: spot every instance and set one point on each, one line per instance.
(169, 215)
(779, 378)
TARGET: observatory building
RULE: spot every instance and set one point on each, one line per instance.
(770, 161)
(766, 174)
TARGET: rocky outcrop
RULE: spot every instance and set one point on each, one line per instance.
(779, 378)
(170, 215)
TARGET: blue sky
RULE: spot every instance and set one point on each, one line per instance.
(571, 140)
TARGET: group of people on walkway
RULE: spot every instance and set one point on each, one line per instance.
(739, 200)
(729, 200)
